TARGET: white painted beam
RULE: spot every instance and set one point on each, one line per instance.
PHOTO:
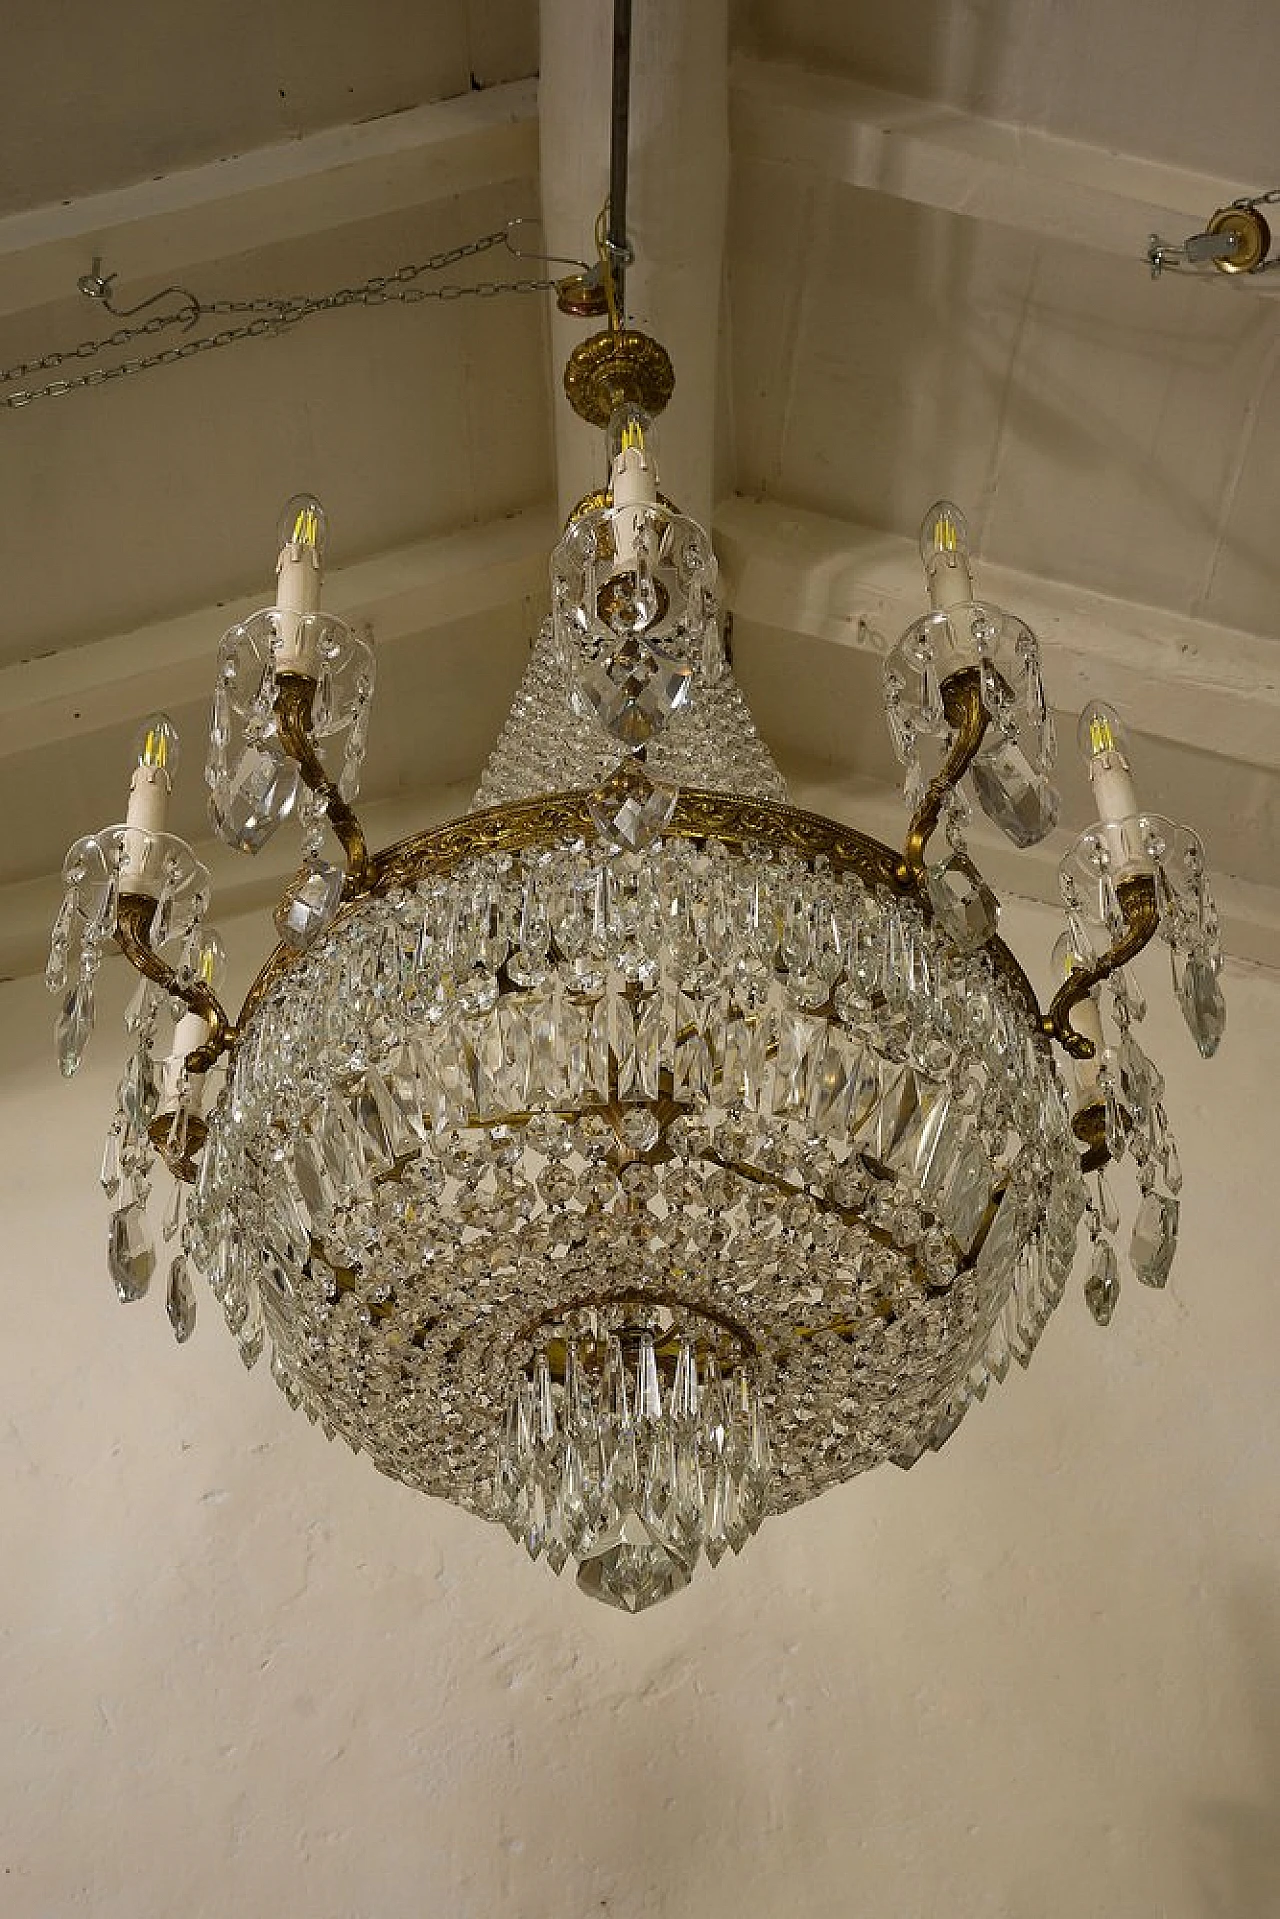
(936, 155)
(325, 180)
(241, 883)
(1180, 679)
(65, 695)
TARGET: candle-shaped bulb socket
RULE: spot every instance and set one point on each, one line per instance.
(157, 746)
(303, 539)
(944, 549)
(1104, 746)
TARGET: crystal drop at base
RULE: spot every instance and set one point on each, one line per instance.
(1155, 1238)
(631, 1566)
(180, 1300)
(963, 902)
(1010, 791)
(1102, 1289)
(308, 905)
(1203, 1007)
(131, 1256)
(74, 1026)
(256, 797)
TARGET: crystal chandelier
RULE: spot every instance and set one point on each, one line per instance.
(636, 1156)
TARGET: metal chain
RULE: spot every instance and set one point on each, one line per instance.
(271, 316)
(1259, 200)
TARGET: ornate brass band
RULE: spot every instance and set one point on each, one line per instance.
(700, 815)
(1141, 911)
(135, 916)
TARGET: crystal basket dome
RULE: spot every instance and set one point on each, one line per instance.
(637, 1155)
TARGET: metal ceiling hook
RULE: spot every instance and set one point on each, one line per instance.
(97, 285)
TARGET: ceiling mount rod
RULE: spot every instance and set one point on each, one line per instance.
(619, 125)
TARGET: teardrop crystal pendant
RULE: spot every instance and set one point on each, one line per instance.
(257, 796)
(131, 1256)
(963, 902)
(1102, 1289)
(180, 1300)
(74, 1026)
(632, 1566)
(1203, 1007)
(1010, 791)
(630, 809)
(1155, 1238)
(308, 905)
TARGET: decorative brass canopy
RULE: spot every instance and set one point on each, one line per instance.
(1251, 234)
(608, 369)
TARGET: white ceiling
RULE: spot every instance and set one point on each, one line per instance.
(933, 283)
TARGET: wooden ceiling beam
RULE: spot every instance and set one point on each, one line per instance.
(65, 695)
(181, 220)
(936, 155)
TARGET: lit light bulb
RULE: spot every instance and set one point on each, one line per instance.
(158, 746)
(211, 959)
(303, 527)
(156, 756)
(944, 549)
(303, 541)
(1104, 747)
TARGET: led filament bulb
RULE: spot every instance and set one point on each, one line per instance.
(303, 529)
(944, 549)
(632, 440)
(157, 748)
(210, 959)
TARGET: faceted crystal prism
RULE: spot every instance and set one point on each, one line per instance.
(1155, 1238)
(630, 810)
(74, 1025)
(633, 1464)
(131, 1256)
(308, 905)
(635, 691)
(1102, 1288)
(256, 797)
(1010, 791)
(631, 1566)
(1203, 1006)
(963, 902)
(180, 1300)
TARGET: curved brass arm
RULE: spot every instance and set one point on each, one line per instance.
(1090, 1128)
(1141, 911)
(295, 696)
(135, 915)
(962, 704)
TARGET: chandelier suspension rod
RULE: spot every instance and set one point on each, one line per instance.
(619, 133)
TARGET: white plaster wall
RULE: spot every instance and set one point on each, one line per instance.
(1036, 1677)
